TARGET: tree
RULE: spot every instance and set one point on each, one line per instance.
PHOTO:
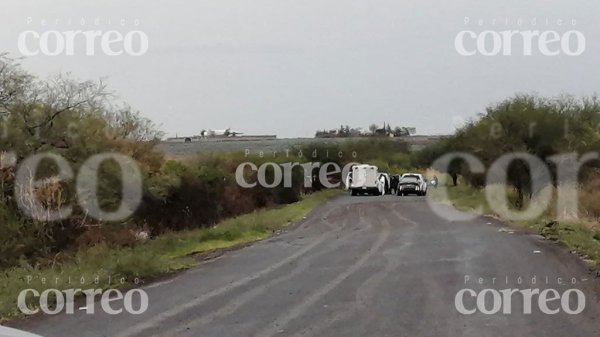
(373, 128)
(538, 126)
(73, 119)
(35, 105)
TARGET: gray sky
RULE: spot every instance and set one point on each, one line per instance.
(291, 67)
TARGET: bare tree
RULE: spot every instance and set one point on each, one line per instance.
(38, 103)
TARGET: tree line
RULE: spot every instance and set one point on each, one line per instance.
(374, 130)
(542, 127)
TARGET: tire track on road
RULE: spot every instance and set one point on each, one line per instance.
(253, 293)
(158, 319)
(365, 292)
(276, 326)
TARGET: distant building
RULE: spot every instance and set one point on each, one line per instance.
(220, 135)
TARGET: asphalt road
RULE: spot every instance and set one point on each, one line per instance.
(359, 266)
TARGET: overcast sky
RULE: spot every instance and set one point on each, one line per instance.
(291, 67)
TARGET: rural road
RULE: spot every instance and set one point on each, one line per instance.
(359, 266)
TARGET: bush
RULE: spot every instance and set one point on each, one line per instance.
(539, 126)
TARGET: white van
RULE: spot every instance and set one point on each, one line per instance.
(364, 179)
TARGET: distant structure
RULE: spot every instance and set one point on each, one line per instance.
(343, 131)
(384, 131)
(220, 135)
(374, 131)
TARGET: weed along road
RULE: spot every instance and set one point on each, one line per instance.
(367, 266)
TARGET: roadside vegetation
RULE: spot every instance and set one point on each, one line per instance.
(103, 265)
(78, 119)
(193, 204)
(189, 206)
(542, 128)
